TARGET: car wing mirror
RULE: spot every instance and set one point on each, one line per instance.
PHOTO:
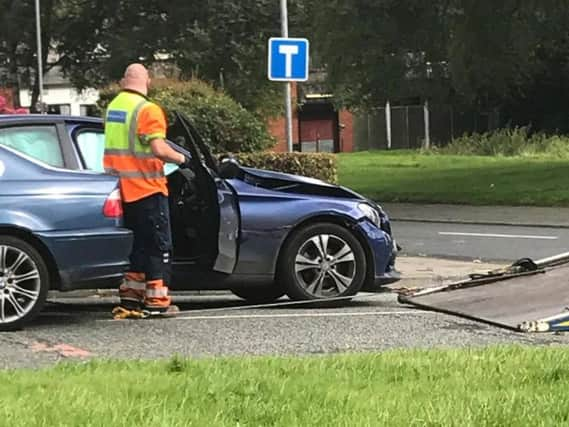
(229, 168)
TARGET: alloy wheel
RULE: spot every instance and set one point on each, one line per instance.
(325, 266)
(20, 284)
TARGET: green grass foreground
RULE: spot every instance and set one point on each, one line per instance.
(408, 176)
(502, 386)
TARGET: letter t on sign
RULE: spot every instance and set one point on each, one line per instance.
(289, 51)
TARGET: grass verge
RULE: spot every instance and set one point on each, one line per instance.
(493, 387)
(408, 176)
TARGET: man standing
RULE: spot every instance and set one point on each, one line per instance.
(135, 150)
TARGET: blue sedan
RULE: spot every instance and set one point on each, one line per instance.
(59, 227)
(260, 234)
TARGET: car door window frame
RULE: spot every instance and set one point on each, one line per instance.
(67, 154)
(199, 145)
(75, 134)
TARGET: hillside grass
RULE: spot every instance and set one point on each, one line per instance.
(501, 386)
(415, 177)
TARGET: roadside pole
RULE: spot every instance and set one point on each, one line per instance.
(288, 61)
(40, 55)
(427, 125)
(388, 123)
(288, 88)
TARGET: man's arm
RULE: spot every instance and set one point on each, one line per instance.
(164, 152)
(152, 130)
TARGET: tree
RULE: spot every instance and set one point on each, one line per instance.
(492, 49)
(18, 47)
(103, 36)
(376, 50)
(221, 41)
(511, 56)
(514, 56)
(224, 124)
(543, 101)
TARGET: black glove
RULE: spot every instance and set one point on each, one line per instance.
(186, 163)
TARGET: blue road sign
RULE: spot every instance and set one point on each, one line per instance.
(288, 59)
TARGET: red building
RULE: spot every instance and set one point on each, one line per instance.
(7, 98)
(317, 125)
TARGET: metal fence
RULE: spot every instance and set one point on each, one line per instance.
(408, 128)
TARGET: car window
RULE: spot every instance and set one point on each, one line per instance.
(91, 144)
(38, 142)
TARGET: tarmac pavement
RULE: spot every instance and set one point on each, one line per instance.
(415, 271)
(491, 243)
(426, 271)
(490, 233)
(490, 215)
(78, 326)
(212, 326)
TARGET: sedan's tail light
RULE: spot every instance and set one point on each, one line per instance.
(113, 205)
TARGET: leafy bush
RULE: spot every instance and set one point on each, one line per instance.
(509, 142)
(319, 165)
(223, 123)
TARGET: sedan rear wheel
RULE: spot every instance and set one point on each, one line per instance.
(24, 282)
(322, 261)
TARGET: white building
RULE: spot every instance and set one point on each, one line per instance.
(61, 97)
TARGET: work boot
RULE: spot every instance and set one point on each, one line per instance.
(120, 313)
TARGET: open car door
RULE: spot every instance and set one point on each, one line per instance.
(219, 246)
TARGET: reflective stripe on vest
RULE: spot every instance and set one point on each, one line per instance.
(127, 152)
(141, 173)
(134, 174)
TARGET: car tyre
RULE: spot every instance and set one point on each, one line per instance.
(24, 283)
(259, 294)
(322, 261)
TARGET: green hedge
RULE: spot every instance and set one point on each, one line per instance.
(319, 165)
(223, 123)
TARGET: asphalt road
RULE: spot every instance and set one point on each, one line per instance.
(84, 329)
(485, 242)
(79, 329)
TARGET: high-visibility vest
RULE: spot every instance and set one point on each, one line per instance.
(140, 172)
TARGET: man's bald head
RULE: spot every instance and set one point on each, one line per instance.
(136, 78)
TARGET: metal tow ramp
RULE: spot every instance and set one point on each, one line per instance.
(527, 296)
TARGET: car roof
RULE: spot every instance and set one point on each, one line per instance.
(48, 118)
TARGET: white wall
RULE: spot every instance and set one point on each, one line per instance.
(63, 95)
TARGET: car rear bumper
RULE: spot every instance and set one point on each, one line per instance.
(89, 258)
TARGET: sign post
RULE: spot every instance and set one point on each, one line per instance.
(40, 56)
(288, 62)
(288, 88)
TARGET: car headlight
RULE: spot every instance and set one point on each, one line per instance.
(381, 211)
(370, 213)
